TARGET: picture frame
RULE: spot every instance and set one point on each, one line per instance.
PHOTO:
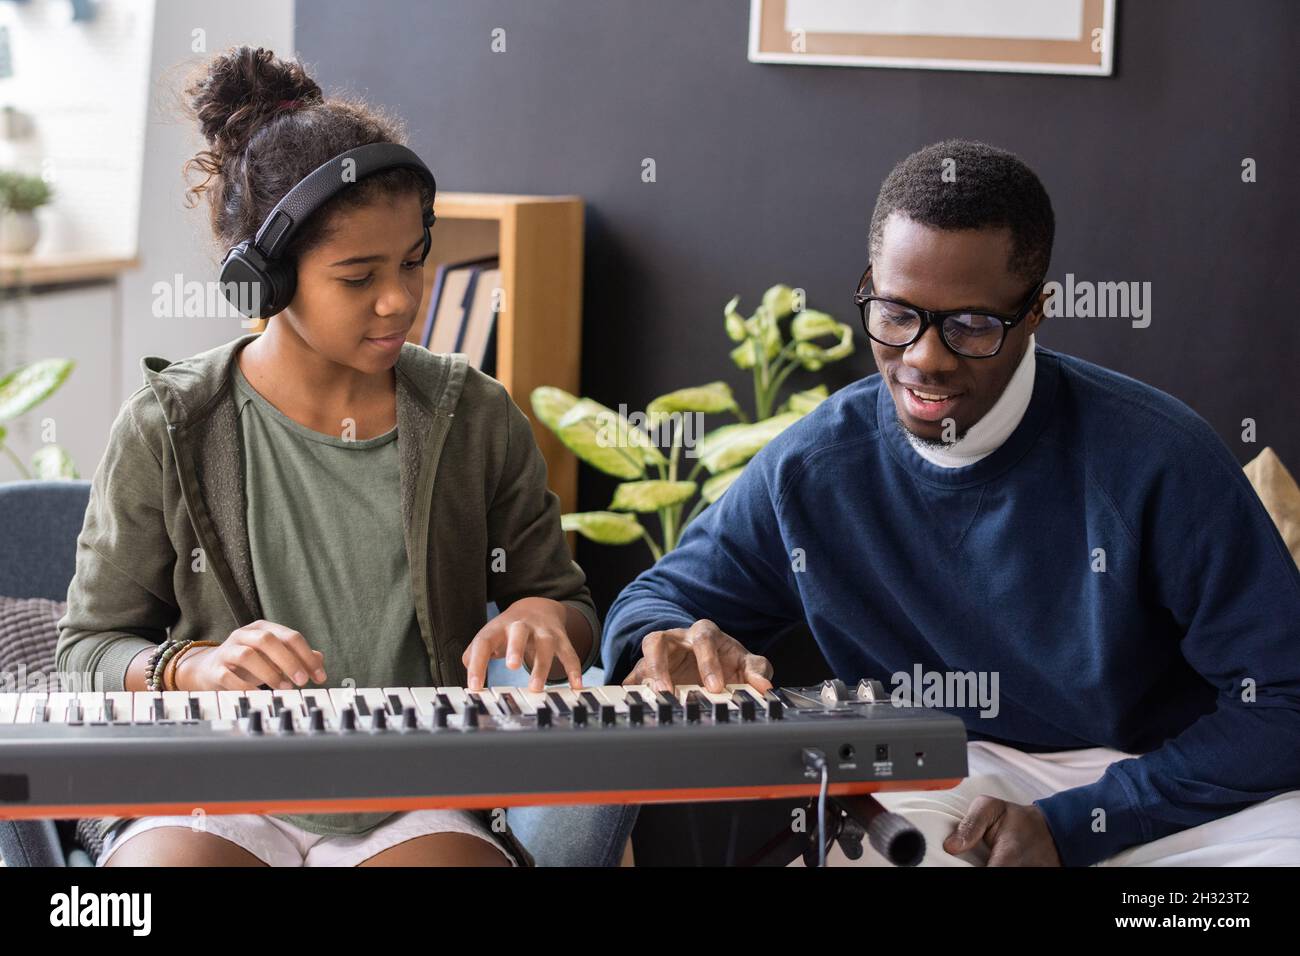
(1015, 36)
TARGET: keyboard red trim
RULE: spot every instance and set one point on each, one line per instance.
(473, 802)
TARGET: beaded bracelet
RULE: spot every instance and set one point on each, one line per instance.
(169, 671)
(152, 663)
(165, 652)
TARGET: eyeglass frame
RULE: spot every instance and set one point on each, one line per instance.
(936, 317)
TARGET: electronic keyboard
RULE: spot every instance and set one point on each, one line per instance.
(325, 750)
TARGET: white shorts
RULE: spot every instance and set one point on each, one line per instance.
(1264, 834)
(278, 843)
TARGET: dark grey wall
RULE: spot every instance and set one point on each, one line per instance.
(768, 174)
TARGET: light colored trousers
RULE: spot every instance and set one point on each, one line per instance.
(1266, 834)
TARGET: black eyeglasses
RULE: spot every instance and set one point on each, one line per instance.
(967, 332)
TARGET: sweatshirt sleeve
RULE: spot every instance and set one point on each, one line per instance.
(731, 566)
(524, 521)
(120, 601)
(1217, 563)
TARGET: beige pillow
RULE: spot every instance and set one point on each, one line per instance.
(1281, 497)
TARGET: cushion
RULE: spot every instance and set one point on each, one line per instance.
(28, 632)
(1280, 495)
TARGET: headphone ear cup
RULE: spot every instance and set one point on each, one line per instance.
(283, 276)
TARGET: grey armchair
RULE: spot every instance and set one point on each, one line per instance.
(39, 524)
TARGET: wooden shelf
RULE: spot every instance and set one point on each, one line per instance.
(538, 240)
(56, 268)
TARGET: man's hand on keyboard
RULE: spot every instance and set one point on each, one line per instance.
(699, 654)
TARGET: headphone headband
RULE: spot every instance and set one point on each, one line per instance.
(328, 180)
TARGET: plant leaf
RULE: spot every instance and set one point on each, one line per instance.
(603, 527)
(51, 461)
(550, 404)
(651, 495)
(733, 445)
(30, 385)
(813, 325)
(805, 401)
(606, 440)
(715, 486)
(710, 399)
(779, 301)
(732, 321)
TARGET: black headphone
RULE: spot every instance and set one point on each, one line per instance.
(254, 277)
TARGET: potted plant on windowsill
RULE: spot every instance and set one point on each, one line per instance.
(20, 196)
(653, 482)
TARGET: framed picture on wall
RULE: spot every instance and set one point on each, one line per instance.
(1017, 36)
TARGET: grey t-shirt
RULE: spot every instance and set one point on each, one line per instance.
(329, 557)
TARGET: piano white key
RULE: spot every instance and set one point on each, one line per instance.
(8, 707)
(29, 704)
(404, 698)
(261, 700)
(92, 705)
(425, 698)
(59, 701)
(292, 700)
(142, 709)
(612, 694)
(526, 700)
(457, 697)
(321, 698)
(176, 704)
(123, 705)
(228, 703)
(209, 708)
(342, 698)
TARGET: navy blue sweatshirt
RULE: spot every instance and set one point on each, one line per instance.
(1109, 561)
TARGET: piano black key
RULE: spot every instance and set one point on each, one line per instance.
(580, 715)
(590, 699)
(635, 710)
(440, 713)
(445, 701)
(363, 708)
(195, 711)
(721, 712)
(775, 708)
(277, 705)
(608, 715)
(243, 706)
(395, 705)
(510, 704)
(558, 702)
(159, 711)
(543, 716)
(110, 708)
(477, 701)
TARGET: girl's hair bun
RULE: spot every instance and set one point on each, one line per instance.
(240, 89)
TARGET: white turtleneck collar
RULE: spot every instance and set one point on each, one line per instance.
(987, 434)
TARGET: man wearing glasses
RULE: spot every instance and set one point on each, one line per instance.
(985, 505)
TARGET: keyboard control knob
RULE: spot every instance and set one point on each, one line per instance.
(544, 717)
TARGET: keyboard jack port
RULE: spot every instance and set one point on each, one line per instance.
(847, 753)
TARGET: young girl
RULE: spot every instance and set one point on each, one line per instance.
(320, 504)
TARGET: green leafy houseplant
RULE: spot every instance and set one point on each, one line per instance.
(22, 192)
(23, 389)
(618, 445)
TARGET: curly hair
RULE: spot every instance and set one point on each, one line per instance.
(990, 188)
(267, 125)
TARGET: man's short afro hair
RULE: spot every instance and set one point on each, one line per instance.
(988, 187)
